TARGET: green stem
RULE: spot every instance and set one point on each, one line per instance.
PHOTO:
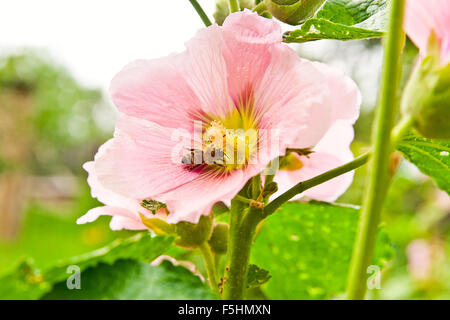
(239, 247)
(268, 179)
(260, 8)
(243, 199)
(201, 12)
(379, 169)
(210, 266)
(217, 259)
(256, 186)
(234, 6)
(308, 184)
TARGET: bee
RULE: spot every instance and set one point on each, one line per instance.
(197, 158)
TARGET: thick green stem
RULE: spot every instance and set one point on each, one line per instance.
(234, 6)
(201, 12)
(308, 184)
(210, 266)
(239, 247)
(379, 168)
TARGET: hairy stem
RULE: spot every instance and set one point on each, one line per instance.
(234, 6)
(210, 266)
(379, 168)
(239, 248)
(201, 12)
(308, 184)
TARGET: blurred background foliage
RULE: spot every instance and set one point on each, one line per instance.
(50, 125)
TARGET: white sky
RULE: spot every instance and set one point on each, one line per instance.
(95, 39)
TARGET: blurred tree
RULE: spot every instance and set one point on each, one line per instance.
(47, 127)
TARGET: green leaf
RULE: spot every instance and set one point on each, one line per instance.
(142, 247)
(257, 276)
(130, 279)
(307, 249)
(343, 20)
(432, 157)
(27, 282)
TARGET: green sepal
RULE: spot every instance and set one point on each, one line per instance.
(191, 235)
(427, 95)
(293, 12)
(219, 238)
(158, 226)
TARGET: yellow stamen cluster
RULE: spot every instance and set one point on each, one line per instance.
(230, 147)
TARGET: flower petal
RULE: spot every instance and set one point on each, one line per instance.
(122, 223)
(194, 199)
(141, 161)
(155, 90)
(293, 96)
(204, 69)
(345, 95)
(424, 16)
(247, 37)
(125, 215)
(332, 151)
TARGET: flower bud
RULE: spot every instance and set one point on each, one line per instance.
(193, 235)
(219, 238)
(223, 9)
(427, 96)
(294, 12)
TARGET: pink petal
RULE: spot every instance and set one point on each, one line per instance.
(139, 163)
(125, 211)
(107, 196)
(155, 90)
(205, 70)
(423, 17)
(194, 199)
(122, 223)
(247, 38)
(337, 141)
(293, 96)
(248, 27)
(115, 212)
(332, 151)
(345, 95)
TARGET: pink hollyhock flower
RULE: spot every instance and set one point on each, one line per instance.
(232, 79)
(424, 17)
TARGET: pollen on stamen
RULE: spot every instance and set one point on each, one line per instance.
(223, 149)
